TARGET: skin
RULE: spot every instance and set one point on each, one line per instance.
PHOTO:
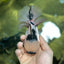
(43, 56)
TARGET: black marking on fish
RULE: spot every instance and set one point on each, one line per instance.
(30, 52)
(32, 36)
(32, 23)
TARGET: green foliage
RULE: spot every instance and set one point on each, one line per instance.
(18, 4)
(4, 5)
(58, 47)
(8, 23)
(8, 59)
(50, 6)
(58, 20)
(54, 7)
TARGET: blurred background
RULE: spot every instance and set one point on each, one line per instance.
(52, 29)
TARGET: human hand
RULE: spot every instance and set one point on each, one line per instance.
(44, 55)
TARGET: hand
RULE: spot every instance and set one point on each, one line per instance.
(44, 55)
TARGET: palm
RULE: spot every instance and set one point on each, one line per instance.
(43, 56)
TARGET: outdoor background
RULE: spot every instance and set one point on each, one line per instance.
(52, 10)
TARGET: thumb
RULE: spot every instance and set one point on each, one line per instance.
(44, 45)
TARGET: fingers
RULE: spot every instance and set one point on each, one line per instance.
(19, 54)
(20, 45)
(44, 45)
(20, 51)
